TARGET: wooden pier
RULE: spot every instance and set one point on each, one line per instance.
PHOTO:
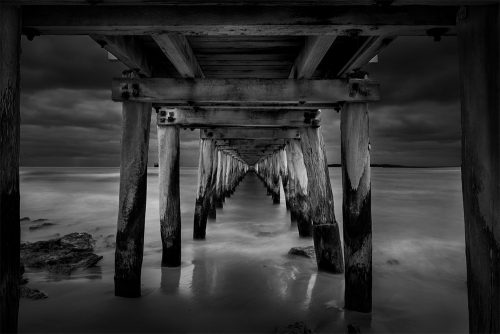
(254, 77)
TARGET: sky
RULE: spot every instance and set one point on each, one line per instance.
(68, 118)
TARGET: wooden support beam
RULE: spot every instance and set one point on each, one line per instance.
(10, 240)
(169, 194)
(372, 47)
(356, 206)
(160, 90)
(238, 20)
(298, 187)
(479, 53)
(284, 175)
(177, 49)
(212, 212)
(205, 165)
(250, 133)
(128, 50)
(132, 203)
(326, 234)
(315, 48)
(238, 117)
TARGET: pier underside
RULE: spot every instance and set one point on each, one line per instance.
(254, 77)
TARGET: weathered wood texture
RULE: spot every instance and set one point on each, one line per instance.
(212, 212)
(169, 194)
(219, 196)
(356, 206)
(238, 20)
(205, 166)
(284, 175)
(311, 56)
(132, 202)
(10, 36)
(479, 51)
(222, 91)
(239, 117)
(298, 188)
(326, 233)
(177, 49)
(250, 133)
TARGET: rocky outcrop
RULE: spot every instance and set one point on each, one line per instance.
(61, 255)
(307, 251)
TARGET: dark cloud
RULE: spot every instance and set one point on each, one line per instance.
(68, 118)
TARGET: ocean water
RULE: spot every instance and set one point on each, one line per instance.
(240, 279)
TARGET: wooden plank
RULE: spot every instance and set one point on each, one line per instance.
(250, 133)
(255, 2)
(479, 53)
(179, 52)
(310, 56)
(371, 48)
(241, 118)
(132, 202)
(161, 90)
(10, 239)
(356, 206)
(237, 20)
(128, 50)
(169, 195)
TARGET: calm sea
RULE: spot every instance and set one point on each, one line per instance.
(240, 279)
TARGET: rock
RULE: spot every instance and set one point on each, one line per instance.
(62, 255)
(38, 226)
(393, 262)
(298, 327)
(24, 219)
(34, 294)
(307, 251)
(353, 329)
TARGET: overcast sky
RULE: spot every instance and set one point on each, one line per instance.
(68, 118)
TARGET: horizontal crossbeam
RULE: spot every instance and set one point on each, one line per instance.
(238, 20)
(250, 133)
(241, 91)
(240, 118)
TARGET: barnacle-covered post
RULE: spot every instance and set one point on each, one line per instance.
(205, 179)
(298, 187)
(133, 185)
(479, 52)
(356, 206)
(10, 37)
(169, 194)
(326, 233)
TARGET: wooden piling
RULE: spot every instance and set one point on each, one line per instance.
(212, 212)
(326, 233)
(10, 35)
(275, 178)
(479, 53)
(169, 194)
(205, 165)
(298, 188)
(284, 176)
(219, 199)
(356, 206)
(132, 203)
